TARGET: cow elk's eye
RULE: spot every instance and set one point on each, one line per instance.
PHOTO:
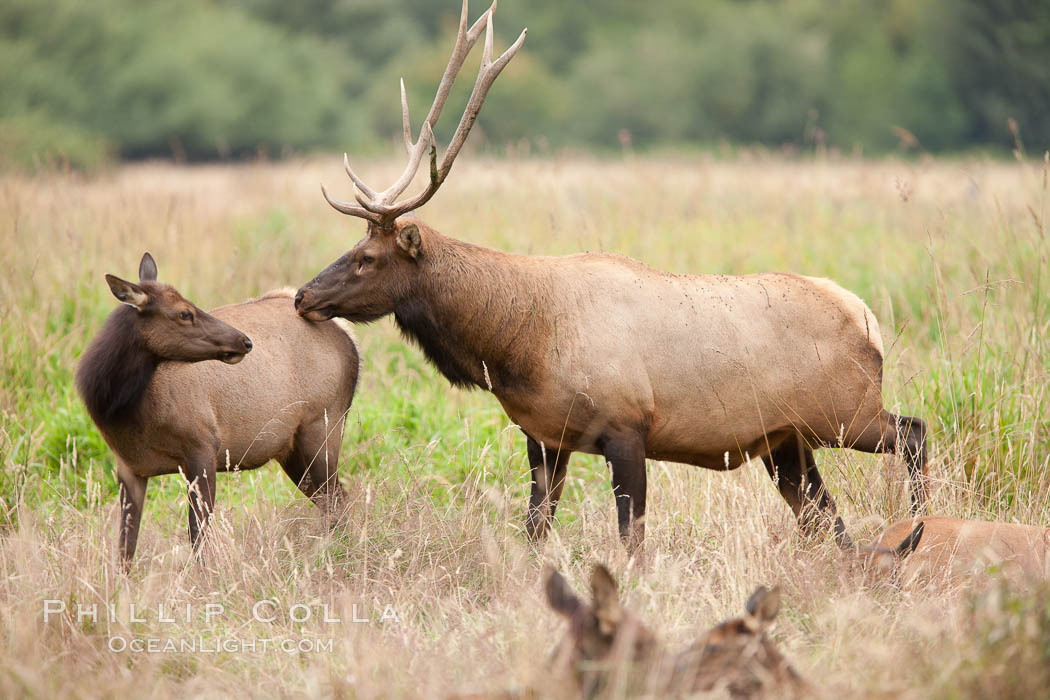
(367, 260)
(186, 316)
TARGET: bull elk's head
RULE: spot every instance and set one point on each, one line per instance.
(370, 280)
(171, 327)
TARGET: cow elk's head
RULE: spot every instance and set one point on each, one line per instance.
(170, 327)
(607, 647)
(369, 281)
(604, 637)
(738, 657)
(881, 563)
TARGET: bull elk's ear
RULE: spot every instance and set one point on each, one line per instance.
(764, 604)
(410, 241)
(127, 293)
(560, 595)
(606, 599)
(147, 268)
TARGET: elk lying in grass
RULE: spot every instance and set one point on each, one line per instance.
(955, 549)
(602, 354)
(884, 558)
(163, 410)
(609, 651)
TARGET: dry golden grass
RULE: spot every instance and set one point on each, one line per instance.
(951, 256)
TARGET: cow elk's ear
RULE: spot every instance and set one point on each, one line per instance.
(560, 595)
(409, 240)
(606, 600)
(909, 543)
(147, 268)
(764, 604)
(127, 293)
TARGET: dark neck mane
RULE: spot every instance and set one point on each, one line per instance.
(476, 310)
(116, 369)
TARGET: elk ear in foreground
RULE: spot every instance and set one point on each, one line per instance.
(578, 349)
(608, 647)
(163, 408)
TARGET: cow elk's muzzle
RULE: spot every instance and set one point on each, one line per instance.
(236, 354)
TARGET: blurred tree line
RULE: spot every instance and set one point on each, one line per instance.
(207, 79)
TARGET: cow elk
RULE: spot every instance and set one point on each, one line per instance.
(609, 651)
(602, 354)
(163, 408)
(958, 550)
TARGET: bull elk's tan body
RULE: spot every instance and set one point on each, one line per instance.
(956, 549)
(602, 354)
(286, 399)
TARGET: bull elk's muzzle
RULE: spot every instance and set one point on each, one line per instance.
(307, 307)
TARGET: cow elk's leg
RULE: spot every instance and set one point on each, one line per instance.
(200, 473)
(548, 479)
(904, 436)
(314, 465)
(626, 458)
(793, 468)
(132, 496)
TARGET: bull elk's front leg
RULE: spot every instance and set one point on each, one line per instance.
(132, 496)
(626, 458)
(548, 479)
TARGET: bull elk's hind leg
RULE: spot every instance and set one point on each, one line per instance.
(793, 469)
(132, 496)
(904, 436)
(626, 457)
(548, 479)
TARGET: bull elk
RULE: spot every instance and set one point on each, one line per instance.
(162, 408)
(608, 648)
(602, 354)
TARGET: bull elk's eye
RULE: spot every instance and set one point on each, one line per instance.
(186, 316)
(367, 260)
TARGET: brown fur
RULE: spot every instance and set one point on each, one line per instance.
(286, 400)
(609, 651)
(955, 549)
(602, 354)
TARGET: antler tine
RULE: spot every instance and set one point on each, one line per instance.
(384, 200)
(465, 40)
(368, 191)
(487, 74)
(350, 209)
(406, 122)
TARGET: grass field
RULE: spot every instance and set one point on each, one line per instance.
(952, 257)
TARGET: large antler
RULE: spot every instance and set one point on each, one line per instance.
(382, 207)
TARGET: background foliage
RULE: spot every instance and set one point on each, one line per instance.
(204, 80)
